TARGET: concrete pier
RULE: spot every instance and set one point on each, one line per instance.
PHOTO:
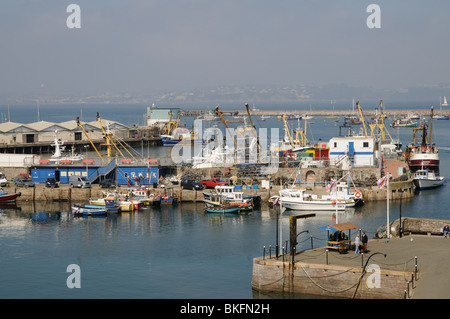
(415, 266)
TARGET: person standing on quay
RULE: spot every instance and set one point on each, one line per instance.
(357, 243)
(364, 241)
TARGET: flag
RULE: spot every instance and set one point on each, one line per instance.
(383, 181)
(331, 186)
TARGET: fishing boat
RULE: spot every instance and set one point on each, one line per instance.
(7, 198)
(168, 198)
(57, 156)
(229, 193)
(341, 191)
(217, 200)
(424, 179)
(423, 155)
(297, 199)
(404, 123)
(179, 135)
(147, 200)
(123, 203)
(223, 209)
(89, 209)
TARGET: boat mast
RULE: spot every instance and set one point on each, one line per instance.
(431, 125)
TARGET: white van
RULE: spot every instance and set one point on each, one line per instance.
(3, 180)
(79, 181)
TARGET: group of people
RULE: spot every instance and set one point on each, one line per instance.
(361, 243)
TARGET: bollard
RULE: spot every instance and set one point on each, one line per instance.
(264, 253)
(326, 255)
(362, 259)
(312, 242)
(270, 251)
(416, 270)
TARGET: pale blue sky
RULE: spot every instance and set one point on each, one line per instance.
(142, 46)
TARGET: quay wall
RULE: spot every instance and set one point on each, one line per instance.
(425, 226)
(65, 193)
(331, 281)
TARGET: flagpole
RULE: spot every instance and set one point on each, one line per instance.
(387, 209)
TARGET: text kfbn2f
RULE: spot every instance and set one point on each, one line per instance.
(74, 19)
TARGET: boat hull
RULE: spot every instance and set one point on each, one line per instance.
(424, 163)
(429, 183)
(313, 205)
(8, 198)
(221, 210)
(89, 210)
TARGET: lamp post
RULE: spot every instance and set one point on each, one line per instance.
(400, 228)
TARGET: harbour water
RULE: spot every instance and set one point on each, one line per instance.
(174, 252)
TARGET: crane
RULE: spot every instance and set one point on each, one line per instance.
(85, 133)
(225, 123)
(362, 117)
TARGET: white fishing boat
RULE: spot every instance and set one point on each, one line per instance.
(342, 192)
(298, 199)
(424, 179)
(58, 157)
(230, 194)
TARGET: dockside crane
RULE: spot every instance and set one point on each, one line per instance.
(92, 143)
(362, 117)
(253, 126)
(110, 142)
(217, 110)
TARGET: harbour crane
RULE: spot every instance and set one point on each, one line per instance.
(92, 143)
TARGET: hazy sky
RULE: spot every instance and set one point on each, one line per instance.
(143, 46)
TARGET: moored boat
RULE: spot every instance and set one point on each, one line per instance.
(424, 155)
(223, 209)
(6, 198)
(89, 209)
(297, 199)
(424, 179)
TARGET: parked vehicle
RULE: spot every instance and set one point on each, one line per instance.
(51, 182)
(79, 181)
(3, 180)
(23, 182)
(213, 182)
(191, 184)
(107, 183)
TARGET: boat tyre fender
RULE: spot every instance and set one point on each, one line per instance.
(19, 194)
(358, 195)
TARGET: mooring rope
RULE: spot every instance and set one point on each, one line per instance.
(328, 290)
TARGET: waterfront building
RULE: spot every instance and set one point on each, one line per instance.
(359, 151)
(161, 116)
(43, 132)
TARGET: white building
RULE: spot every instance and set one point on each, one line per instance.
(357, 151)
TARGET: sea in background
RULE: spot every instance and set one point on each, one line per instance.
(176, 252)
